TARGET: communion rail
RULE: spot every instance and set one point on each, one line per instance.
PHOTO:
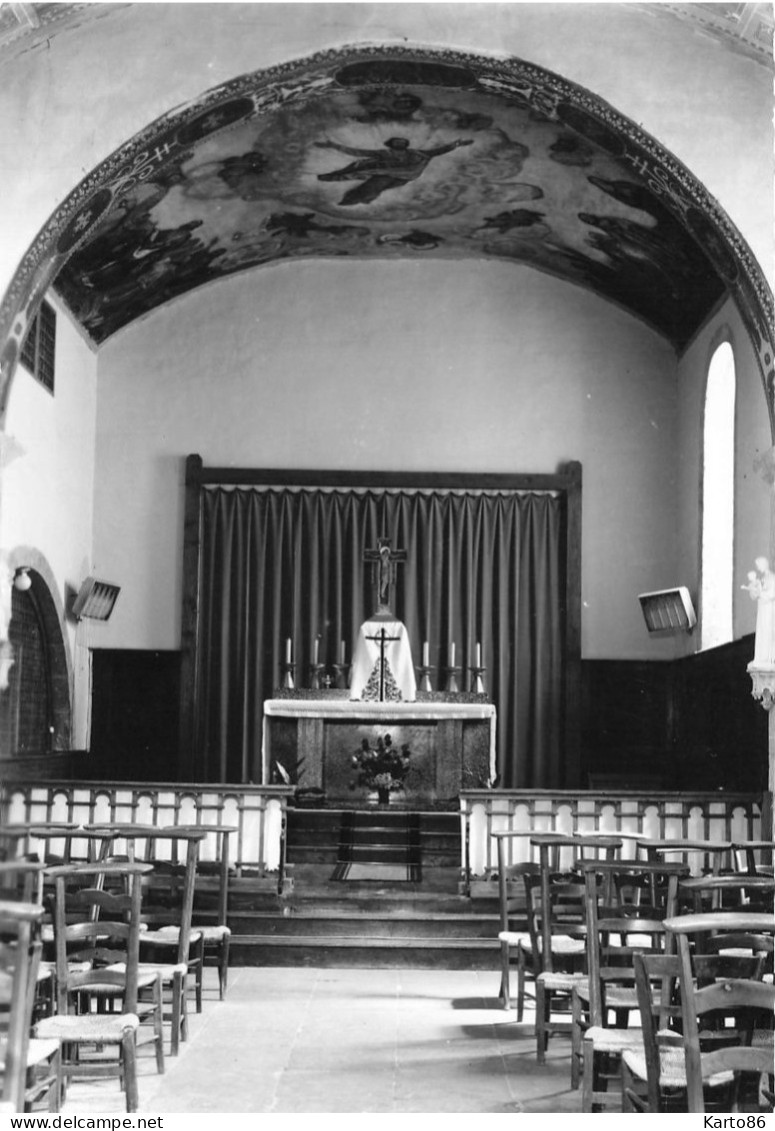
(257, 814)
(653, 814)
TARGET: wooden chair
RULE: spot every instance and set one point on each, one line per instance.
(169, 931)
(557, 923)
(21, 879)
(746, 1007)
(731, 891)
(753, 856)
(617, 929)
(514, 935)
(93, 927)
(701, 856)
(654, 1077)
(167, 942)
(20, 950)
(211, 904)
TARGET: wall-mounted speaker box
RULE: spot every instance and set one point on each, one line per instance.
(95, 599)
(668, 610)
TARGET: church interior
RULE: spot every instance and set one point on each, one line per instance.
(387, 409)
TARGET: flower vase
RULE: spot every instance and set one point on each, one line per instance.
(383, 796)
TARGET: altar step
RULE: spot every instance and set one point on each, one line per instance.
(317, 836)
(328, 916)
(349, 923)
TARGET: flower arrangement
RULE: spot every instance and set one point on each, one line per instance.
(381, 768)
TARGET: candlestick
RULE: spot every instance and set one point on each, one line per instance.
(341, 675)
(425, 660)
(478, 655)
(425, 678)
(288, 650)
(452, 654)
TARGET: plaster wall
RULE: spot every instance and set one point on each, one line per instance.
(753, 495)
(69, 102)
(47, 490)
(389, 366)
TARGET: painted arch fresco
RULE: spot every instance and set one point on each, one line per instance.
(395, 153)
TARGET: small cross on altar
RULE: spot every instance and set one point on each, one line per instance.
(384, 561)
(382, 639)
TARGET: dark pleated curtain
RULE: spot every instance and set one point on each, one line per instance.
(481, 567)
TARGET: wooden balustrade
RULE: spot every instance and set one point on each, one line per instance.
(258, 813)
(720, 816)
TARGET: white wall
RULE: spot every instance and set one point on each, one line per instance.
(47, 492)
(388, 366)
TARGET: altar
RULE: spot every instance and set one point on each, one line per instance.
(451, 743)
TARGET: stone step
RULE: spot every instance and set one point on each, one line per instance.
(366, 925)
(439, 953)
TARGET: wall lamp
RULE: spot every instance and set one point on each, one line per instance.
(22, 580)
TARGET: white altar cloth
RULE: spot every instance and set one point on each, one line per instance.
(398, 654)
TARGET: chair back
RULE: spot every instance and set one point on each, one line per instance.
(729, 891)
(20, 950)
(552, 864)
(702, 856)
(554, 906)
(511, 889)
(618, 931)
(656, 986)
(739, 1009)
(175, 882)
(97, 915)
(21, 879)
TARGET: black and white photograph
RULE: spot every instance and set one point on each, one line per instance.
(387, 561)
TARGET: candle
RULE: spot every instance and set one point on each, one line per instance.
(316, 650)
(341, 652)
(478, 655)
(288, 650)
(452, 654)
(425, 654)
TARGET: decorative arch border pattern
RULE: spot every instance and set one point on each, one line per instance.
(264, 91)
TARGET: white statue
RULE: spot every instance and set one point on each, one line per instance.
(761, 588)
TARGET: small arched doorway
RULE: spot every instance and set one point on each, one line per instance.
(35, 717)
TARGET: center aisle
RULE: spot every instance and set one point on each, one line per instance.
(293, 1040)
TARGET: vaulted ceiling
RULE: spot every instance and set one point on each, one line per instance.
(386, 157)
(401, 153)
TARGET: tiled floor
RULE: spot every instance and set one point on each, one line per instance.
(350, 1040)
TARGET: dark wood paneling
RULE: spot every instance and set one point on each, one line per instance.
(627, 723)
(65, 765)
(720, 731)
(135, 715)
(682, 724)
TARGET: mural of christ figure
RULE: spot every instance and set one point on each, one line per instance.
(379, 170)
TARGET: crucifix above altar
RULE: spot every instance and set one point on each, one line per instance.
(382, 668)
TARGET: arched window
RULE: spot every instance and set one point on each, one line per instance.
(718, 498)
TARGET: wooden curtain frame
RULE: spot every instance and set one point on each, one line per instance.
(566, 482)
